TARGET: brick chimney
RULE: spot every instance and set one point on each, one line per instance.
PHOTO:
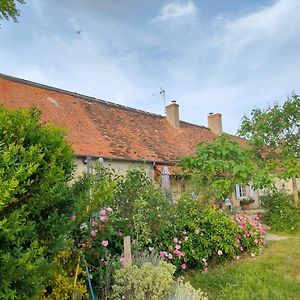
(215, 123)
(172, 112)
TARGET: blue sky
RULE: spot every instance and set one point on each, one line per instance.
(224, 56)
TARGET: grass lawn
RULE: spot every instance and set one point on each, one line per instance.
(275, 274)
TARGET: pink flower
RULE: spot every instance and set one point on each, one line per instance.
(109, 209)
(204, 259)
(104, 243)
(170, 256)
(120, 234)
(177, 247)
(93, 233)
(220, 252)
(162, 253)
(94, 223)
(256, 241)
(151, 249)
(241, 248)
(102, 212)
(73, 218)
(205, 270)
(252, 255)
(183, 266)
(104, 219)
(175, 240)
(237, 257)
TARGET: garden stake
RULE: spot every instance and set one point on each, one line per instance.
(76, 275)
(89, 280)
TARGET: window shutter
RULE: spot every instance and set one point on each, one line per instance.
(237, 192)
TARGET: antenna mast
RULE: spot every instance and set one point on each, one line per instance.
(163, 94)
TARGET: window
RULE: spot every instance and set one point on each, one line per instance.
(241, 191)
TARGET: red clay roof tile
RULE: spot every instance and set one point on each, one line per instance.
(99, 128)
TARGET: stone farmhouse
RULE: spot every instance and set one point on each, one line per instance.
(121, 136)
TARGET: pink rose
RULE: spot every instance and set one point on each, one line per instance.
(93, 233)
(183, 266)
(94, 223)
(256, 241)
(170, 256)
(177, 247)
(102, 212)
(109, 209)
(162, 253)
(237, 257)
(104, 219)
(104, 243)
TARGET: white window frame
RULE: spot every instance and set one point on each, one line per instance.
(241, 191)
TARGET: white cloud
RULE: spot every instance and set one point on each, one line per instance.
(172, 11)
(279, 21)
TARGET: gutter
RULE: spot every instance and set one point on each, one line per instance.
(153, 162)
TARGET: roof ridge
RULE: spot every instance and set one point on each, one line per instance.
(75, 94)
(193, 124)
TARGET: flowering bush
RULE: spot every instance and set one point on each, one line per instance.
(192, 235)
(252, 234)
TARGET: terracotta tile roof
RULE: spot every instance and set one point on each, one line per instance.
(99, 128)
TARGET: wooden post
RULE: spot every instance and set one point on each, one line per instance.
(127, 251)
(295, 190)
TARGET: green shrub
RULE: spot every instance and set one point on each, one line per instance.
(281, 215)
(35, 202)
(115, 206)
(193, 234)
(184, 291)
(145, 282)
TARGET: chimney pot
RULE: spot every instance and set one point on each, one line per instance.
(215, 123)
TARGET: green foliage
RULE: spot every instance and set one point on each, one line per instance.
(275, 133)
(280, 213)
(113, 206)
(66, 265)
(8, 9)
(215, 168)
(184, 291)
(145, 282)
(192, 234)
(36, 202)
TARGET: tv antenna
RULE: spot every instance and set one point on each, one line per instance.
(162, 93)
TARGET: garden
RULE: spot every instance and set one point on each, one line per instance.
(63, 238)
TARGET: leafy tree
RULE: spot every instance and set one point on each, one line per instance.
(216, 167)
(274, 132)
(8, 9)
(35, 201)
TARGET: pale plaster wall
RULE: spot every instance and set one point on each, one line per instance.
(120, 166)
(177, 185)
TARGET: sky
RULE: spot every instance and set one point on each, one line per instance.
(223, 56)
